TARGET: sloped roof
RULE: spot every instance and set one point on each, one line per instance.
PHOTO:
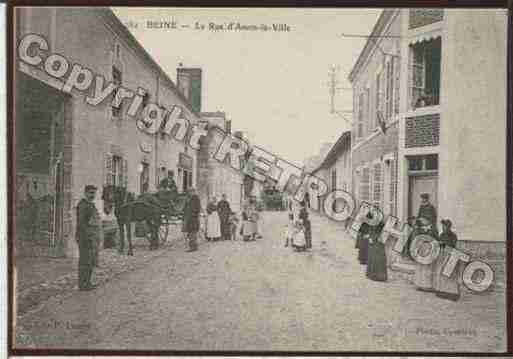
(343, 142)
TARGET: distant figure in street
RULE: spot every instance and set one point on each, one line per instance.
(88, 231)
(191, 219)
(233, 225)
(289, 230)
(298, 237)
(248, 226)
(423, 278)
(446, 287)
(307, 199)
(303, 216)
(224, 211)
(376, 261)
(428, 211)
(213, 221)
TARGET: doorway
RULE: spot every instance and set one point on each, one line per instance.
(422, 178)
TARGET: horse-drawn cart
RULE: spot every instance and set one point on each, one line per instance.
(157, 211)
(164, 215)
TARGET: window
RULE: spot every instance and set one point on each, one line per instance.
(364, 190)
(392, 189)
(117, 79)
(377, 102)
(425, 73)
(333, 179)
(431, 162)
(116, 170)
(423, 163)
(144, 179)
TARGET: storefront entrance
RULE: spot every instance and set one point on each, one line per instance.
(40, 168)
(423, 178)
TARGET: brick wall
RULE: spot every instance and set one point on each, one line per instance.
(422, 17)
(422, 131)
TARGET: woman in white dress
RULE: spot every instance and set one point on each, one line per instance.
(213, 221)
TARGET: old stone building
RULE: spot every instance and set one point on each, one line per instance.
(216, 178)
(435, 82)
(63, 142)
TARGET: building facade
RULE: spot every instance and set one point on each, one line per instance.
(376, 108)
(64, 143)
(335, 170)
(444, 73)
(216, 178)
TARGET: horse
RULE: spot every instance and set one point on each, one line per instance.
(147, 207)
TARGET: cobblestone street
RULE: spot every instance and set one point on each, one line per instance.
(262, 296)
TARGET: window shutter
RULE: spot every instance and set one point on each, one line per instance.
(108, 169)
(382, 89)
(391, 189)
(124, 172)
(397, 74)
(377, 185)
(377, 105)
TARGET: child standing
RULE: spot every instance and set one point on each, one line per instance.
(289, 230)
(298, 238)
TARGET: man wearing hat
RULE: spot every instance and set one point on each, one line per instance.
(427, 211)
(87, 234)
(169, 183)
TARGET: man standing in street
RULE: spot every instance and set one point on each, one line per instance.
(224, 211)
(191, 219)
(88, 231)
(427, 211)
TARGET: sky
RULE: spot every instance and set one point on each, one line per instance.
(272, 85)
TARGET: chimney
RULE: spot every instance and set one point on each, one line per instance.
(228, 126)
(189, 84)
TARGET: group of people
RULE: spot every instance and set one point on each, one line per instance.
(371, 251)
(298, 231)
(428, 277)
(219, 220)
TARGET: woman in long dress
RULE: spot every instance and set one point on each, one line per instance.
(376, 261)
(362, 241)
(213, 221)
(423, 278)
(307, 227)
(446, 287)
